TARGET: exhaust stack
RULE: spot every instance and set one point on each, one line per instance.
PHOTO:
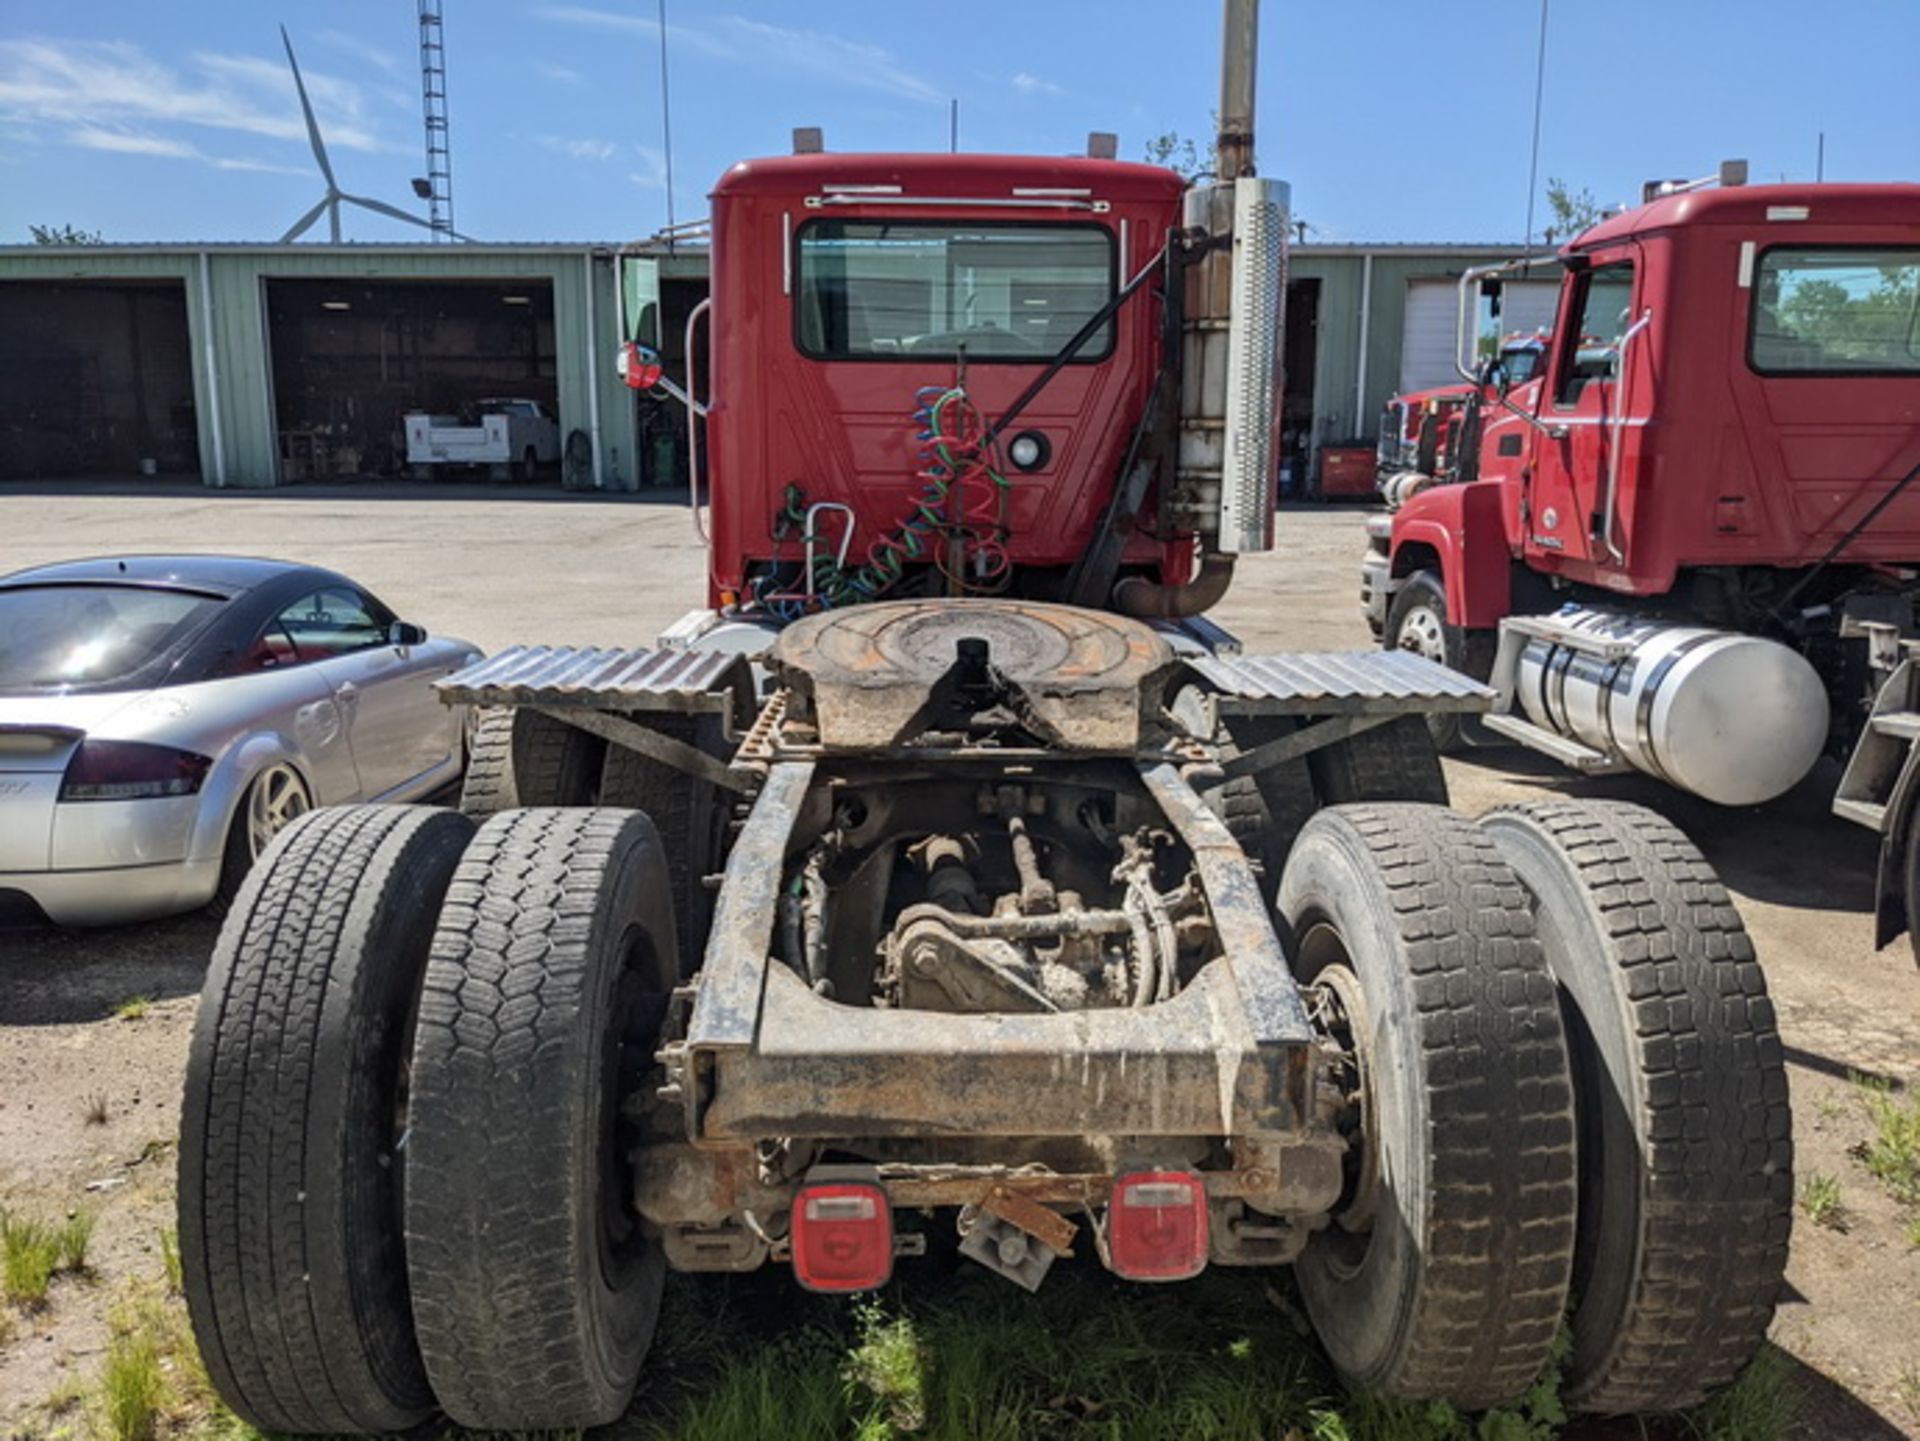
(1239, 52)
(1235, 320)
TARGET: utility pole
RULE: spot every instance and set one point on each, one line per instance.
(953, 126)
(1820, 164)
(1539, 94)
(666, 120)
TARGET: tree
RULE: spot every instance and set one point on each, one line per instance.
(1178, 152)
(1573, 211)
(64, 235)
(1858, 316)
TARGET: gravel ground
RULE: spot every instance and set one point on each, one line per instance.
(502, 566)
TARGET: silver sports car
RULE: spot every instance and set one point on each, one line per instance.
(161, 717)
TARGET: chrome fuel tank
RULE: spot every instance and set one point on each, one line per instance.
(1734, 718)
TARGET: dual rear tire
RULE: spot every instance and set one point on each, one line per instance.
(1570, 1103)
(403, 1165)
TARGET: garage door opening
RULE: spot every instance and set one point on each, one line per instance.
(1300, 358)
(352, 358)
(96, 380)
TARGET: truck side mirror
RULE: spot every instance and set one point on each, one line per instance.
(1490, 289)
(639, 366)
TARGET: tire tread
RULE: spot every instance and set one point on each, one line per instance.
(292, 1339)
(504, 1102)
(1499, 1193)
(1712, 1116)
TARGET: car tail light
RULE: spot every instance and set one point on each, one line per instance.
(131, 771)
(842, 1236)
(1157, 1226)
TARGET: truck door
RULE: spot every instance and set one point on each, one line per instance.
(1585, 407)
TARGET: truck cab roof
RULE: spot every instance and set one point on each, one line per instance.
(1755, 206)
(986, 177)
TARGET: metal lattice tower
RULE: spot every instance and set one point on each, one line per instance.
(433, 96)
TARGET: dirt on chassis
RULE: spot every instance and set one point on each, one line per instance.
(1081, 934)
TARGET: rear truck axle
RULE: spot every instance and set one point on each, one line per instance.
(1087, 937)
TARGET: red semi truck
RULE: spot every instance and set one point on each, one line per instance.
(1691, 546)
(949, 870)
(1420, 430)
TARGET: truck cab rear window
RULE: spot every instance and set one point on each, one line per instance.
(1006, 291)
(1837, 312)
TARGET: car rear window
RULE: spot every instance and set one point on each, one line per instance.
(90, 637)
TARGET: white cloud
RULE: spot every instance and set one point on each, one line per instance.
(848, 62)
(1027, 84)
(773, 47)
(257, 167)
(64, 88)
(362, 50)
(653, 175)
(128, 142)
(340, 106)
(559, 74)
(579, 148)
(587, 15)
(123, 142)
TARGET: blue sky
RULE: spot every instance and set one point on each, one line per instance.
(1394, 120)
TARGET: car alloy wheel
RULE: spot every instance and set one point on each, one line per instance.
(277, 796)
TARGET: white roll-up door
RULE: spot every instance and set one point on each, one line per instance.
(1426, 347)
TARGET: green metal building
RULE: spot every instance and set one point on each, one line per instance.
(256, 365)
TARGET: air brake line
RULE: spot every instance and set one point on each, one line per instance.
(953, 504)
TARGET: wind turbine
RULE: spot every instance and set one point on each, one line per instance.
(335, 196)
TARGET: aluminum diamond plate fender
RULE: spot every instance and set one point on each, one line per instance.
(1368, 682)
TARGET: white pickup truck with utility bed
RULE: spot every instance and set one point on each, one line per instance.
(509, 436)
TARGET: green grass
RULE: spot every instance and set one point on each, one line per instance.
(964, 1356)
(33, 1252)
(74, 1238)
(959, 1357)
(1759, 1406)
(152, 1382)
(68, 1394)
(1830, 1107)
(1892, 1153)
(29, 1255)
(133, 1008)
(948, 1354)
(1820, 1199)
(1908, 1389)
(133, 1388)
(170, 1259)
(1912, 1231)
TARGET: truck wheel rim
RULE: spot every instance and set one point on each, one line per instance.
(1421, 632)
(1338, 1009)
(627, 1065)
(274, 801)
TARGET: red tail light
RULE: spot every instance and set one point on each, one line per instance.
(1157, 1226)
(842, 1236)
(131, 771)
